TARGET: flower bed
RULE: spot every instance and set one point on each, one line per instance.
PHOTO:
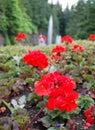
(34, 91)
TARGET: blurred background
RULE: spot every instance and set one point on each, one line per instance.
(76, 19)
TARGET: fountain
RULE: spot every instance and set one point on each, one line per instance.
(50, 31)
(50, 27)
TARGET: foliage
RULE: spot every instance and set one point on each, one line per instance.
(33, 17)
(13, 20)
(80, 19)
(21, 77)
(84, 101)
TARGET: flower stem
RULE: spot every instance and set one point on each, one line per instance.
(34, 118)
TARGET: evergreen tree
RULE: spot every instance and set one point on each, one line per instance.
(13, 20)
(76, 21)
(90, 9)
(39, 12)
(81, 22)
(3, 21)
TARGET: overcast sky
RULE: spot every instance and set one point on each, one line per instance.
(64, 2)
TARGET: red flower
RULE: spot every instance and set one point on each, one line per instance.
(57, 51)
(55, 57)
(51, 105)
(59, 89)
(20, 36)
(67, 39)
(91, 37)
(88, 115)
(47, 82)
(54, 80)
(36, 58)
(42, 37)
(77, 48)
(40, 90)
(90, 119)
(62, 103)
(64, 99)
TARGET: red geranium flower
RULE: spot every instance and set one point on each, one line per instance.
(67, 39)
(62, 101)
(59, 89)
(57, 51)
(20, 36)
(36, 58)
(42, 37)
(53, 80)
(91, 37)
(63, 104)
(88, 115)
(77, 48)
(47, 82)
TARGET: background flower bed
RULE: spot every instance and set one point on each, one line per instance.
(16, 80)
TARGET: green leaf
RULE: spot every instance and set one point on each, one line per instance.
(88, 76)
(51, 128)
(9, 106)
(53, 113)
(47, 121)
(29, 80)
(32, 96)
(65, 115)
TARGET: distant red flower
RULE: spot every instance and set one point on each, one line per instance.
(67, 39)
(88, 115)
(57, 51)
(59, 90)
(42, 37)
(20, 36)
(91, 37)
(77, 48)
(36, 58)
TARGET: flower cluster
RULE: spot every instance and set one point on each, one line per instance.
(89, 114)
(77, 48)
(36, 58)
(91, 37)
(56, 52)
(20, 37)
(59, 90)
(67, 39)
(42, 37)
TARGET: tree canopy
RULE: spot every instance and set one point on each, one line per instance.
(81, 19)
(32, 16)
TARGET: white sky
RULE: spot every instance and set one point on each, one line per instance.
(64, 2)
